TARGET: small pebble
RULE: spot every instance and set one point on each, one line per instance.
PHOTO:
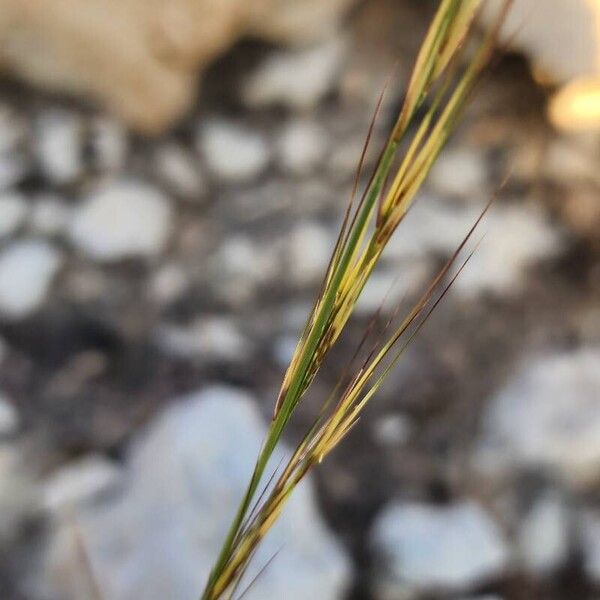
(459, 172)
(109, 144)
(168, 284)
(13, 210)
(121, 220)
(180, 172)
(309, 250)
(284, 348)
(544, 542)
(79, 481)
(240, 266)
(392, 430)
(546, 417)
(301, 147)
(59, 146)
(209, 338)
(386, 287)
(421, 548)
(297, 79)
(233, 152)
(27, 268)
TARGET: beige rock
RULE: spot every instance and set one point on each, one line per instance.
(140, 58)
(562, 38)
(299, 21)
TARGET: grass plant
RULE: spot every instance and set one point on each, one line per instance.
(441, 82)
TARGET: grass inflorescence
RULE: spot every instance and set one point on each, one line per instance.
(437, 91)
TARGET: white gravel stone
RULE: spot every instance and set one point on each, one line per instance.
(59, 145)
(432, 226)
(546, 417)
(309, 250)
(168, 283)
(180, 172)
(13, 210)
(298, 79)
(392, 430)
(80, 481)
(123, 219)
(240, 266)
(233, 152)
(27, 268)
(9, 417)
(159, 537)
(301, 147)
(421, 547)
(109, 144)
(386, 286)
(49, 215)
(284, 348)
(18, 494)
(236, 257)
(516, 237)
(459, 172)
(208, 338)
(544, 536)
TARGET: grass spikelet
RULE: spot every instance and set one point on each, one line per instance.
(442, 85)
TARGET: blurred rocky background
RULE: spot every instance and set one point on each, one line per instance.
(172, 178)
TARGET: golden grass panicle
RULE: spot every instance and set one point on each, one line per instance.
(438, 89)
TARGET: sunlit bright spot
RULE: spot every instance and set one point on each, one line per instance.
(576, 106)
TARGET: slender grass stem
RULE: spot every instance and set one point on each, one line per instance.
(365, 232)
